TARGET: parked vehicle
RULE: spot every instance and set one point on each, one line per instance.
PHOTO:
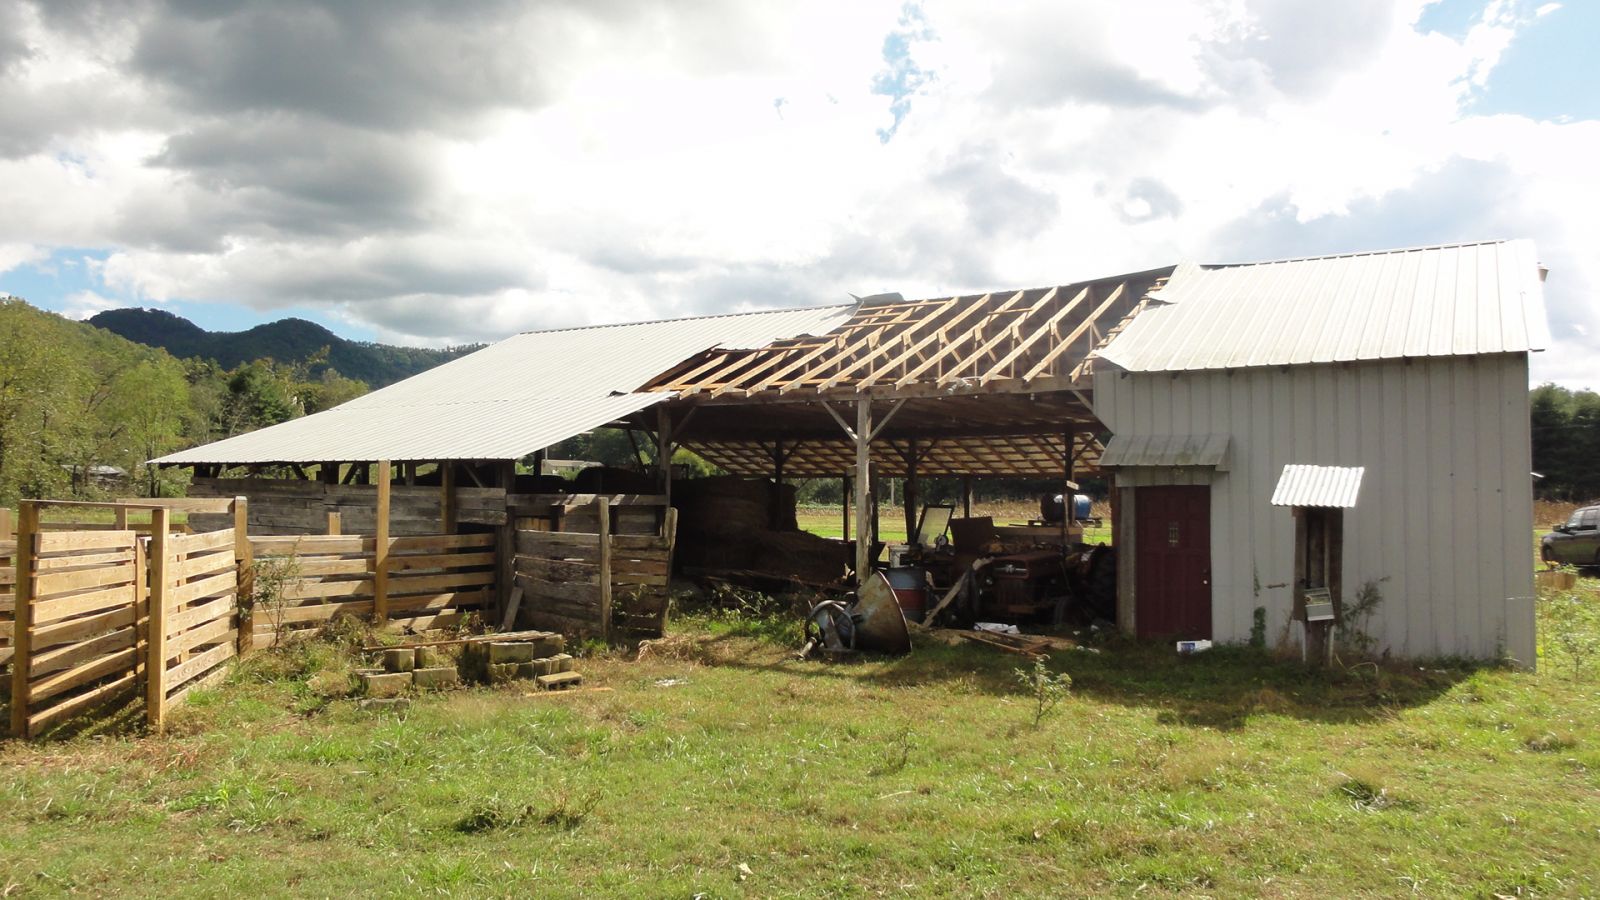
(1576, 543)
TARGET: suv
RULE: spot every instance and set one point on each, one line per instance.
(1576, 543)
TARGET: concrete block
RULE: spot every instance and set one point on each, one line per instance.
(544, 666)
(548, 645)
(436, 677)
(399, 659)
(429, 658)
(385, 684)
(510, 652)
(500, 673)
(560, 680)
(563, 662)
(530, 670)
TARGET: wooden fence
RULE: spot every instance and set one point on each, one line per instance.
(194, 627)
(429, 581)
(283, 507)
(79, 603)
(595, 583)
(8, 588)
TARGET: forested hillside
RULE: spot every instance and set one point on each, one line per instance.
(286, 340)
(74, 396)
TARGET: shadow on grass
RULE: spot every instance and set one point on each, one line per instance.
(1219, 689)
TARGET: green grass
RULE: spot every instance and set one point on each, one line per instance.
(1221, 774)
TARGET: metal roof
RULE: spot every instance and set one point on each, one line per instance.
(512, 398)
(1335, 486)
(1455, 300)
(1167, 450)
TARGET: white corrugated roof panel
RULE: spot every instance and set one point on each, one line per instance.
(1332, 486)
(512, 398)
(1456, 300)
(1166, 450)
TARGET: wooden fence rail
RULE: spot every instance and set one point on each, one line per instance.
(595, 583)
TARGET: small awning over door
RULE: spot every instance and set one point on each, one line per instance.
(1327, 486)
(1166, 451)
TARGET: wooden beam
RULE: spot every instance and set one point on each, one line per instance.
(863, 476)
(155, 707)
(952, 347)
(380, 553)
(1072, 338)
(1022, 346)
(447, 497)
(938, 331)
(244, 566)
(27, 564)
(602, 508)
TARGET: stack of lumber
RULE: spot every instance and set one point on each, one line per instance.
(725, 525)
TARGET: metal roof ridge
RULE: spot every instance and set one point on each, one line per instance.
(1355, 253)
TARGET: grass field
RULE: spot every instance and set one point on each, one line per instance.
(718, 765)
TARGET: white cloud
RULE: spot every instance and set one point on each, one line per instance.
(553, 165)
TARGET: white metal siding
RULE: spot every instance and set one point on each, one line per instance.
(1447, 500)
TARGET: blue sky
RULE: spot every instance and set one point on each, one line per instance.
(416, 174)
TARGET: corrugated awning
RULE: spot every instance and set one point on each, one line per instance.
(1166, 451)
(1330, 486)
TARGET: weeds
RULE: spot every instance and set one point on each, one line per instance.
(566, 812)
(1571, 625)
(1351, 631)
(1047, 688)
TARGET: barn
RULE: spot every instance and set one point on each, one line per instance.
(1293, 446)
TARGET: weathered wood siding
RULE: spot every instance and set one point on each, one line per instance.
(1445, 508)
(280, 506)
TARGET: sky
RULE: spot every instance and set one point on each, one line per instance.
(425, 173)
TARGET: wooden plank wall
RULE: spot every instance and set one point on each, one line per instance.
(434, 581)
(83, 630)
(8, 599)
(201, 618)
(572, 579)
(287, 507)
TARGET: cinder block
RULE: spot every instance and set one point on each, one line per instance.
(544, 666)
(385, 684)
(438, 677)
(563, 662)
(431, 658)
(530, 669)
(510, 652)
(548, 645)
(399, 659)
(560, 680)
(474, 665)
(500, 673)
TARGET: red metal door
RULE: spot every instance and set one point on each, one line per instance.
(1172, 543)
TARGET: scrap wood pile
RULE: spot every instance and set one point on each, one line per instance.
(725, 525)
(486, 659)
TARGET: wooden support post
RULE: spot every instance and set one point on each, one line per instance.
(244, 562)
(911, 493)
(863, 477)
(7, 527)
(335, 522)
(774, 517)
(1071, 485)
(22, 628)
(447, 497)
(155, 673)
(380, 554)
(602, 508)
(664, 450)
(119, 517)
(505, 546)
(410, 470)
(328, 473)
(844, 503)
(966, 496)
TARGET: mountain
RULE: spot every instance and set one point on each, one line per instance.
(286, 340)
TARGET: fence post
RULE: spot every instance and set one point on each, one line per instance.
(155, 703)
(7, 529)
(334, 523)
(602, 506)
(380, 556)
(245, 561)
(22, 625)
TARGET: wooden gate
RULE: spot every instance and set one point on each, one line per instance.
(194, 623)
(1172, 544)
